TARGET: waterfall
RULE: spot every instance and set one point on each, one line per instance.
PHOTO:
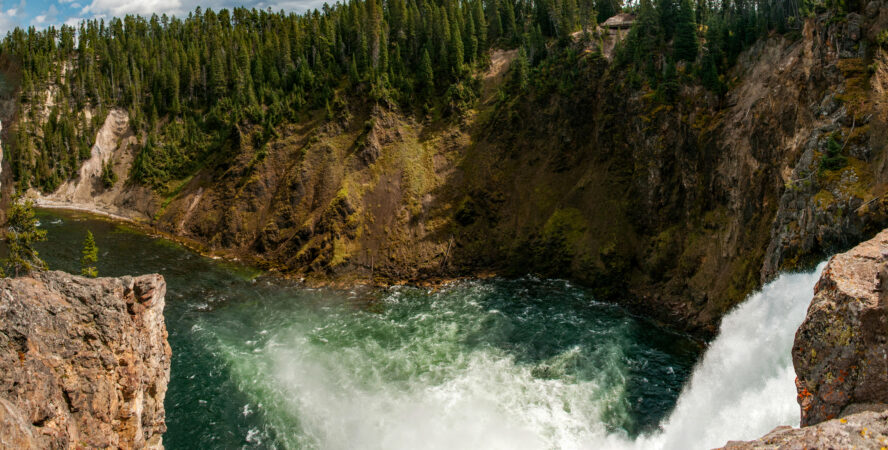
(745, 384)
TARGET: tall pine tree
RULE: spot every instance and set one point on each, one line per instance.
(90, 256)
(686, 45)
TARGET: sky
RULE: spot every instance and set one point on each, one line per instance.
(44, 13)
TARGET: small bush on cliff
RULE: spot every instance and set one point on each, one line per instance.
(882, 38)
(90, 257)
(833, 158)
(21, 234)
(108, 175)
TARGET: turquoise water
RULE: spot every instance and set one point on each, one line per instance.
(264, 363)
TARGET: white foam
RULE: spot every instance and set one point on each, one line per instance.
(745, 384)
(372, 397)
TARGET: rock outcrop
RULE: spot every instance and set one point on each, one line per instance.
(841, 350)
(863, 430)
(84, 363)
(840, 356)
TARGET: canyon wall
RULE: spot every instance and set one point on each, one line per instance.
(677, 209)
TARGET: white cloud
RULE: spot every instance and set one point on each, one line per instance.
(123, 7)
(47, 18)
(11, 12)
(183, 7)
(73, 21)
(76, 5)
(6, 23)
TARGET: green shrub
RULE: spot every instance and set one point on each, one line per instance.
(833, 158)
(108, 175)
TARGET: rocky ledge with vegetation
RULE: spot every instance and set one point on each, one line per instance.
(84, 363)
(840, 357)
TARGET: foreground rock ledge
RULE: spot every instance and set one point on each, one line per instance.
(867, 430)
(840, 351)
(840, 356)
(84, 363)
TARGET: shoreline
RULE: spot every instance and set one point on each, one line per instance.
(265, 267)
(43, 203)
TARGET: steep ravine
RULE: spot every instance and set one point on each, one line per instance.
(675, 209)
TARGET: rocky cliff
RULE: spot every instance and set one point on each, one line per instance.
(84, 363)
(840, 355)
(841, 350)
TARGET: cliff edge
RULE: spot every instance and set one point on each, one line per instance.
(840, 356)
(84, 363)
(840, 349)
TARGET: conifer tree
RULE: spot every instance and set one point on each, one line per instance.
(456, 51)
(520, 70)
(90, 256)
(426, 74)
(509, 25)
(606, 9)
(667, 10)
(686, 45)
(21, 234)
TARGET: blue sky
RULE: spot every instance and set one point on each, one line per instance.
(43, 13)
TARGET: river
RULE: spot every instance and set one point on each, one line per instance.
(260, 362)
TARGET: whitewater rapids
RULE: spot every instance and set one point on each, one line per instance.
(485, 364)
(409, 385)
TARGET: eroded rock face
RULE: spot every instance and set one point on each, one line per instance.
(863, 430)
(84, 363)
(841, 350)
